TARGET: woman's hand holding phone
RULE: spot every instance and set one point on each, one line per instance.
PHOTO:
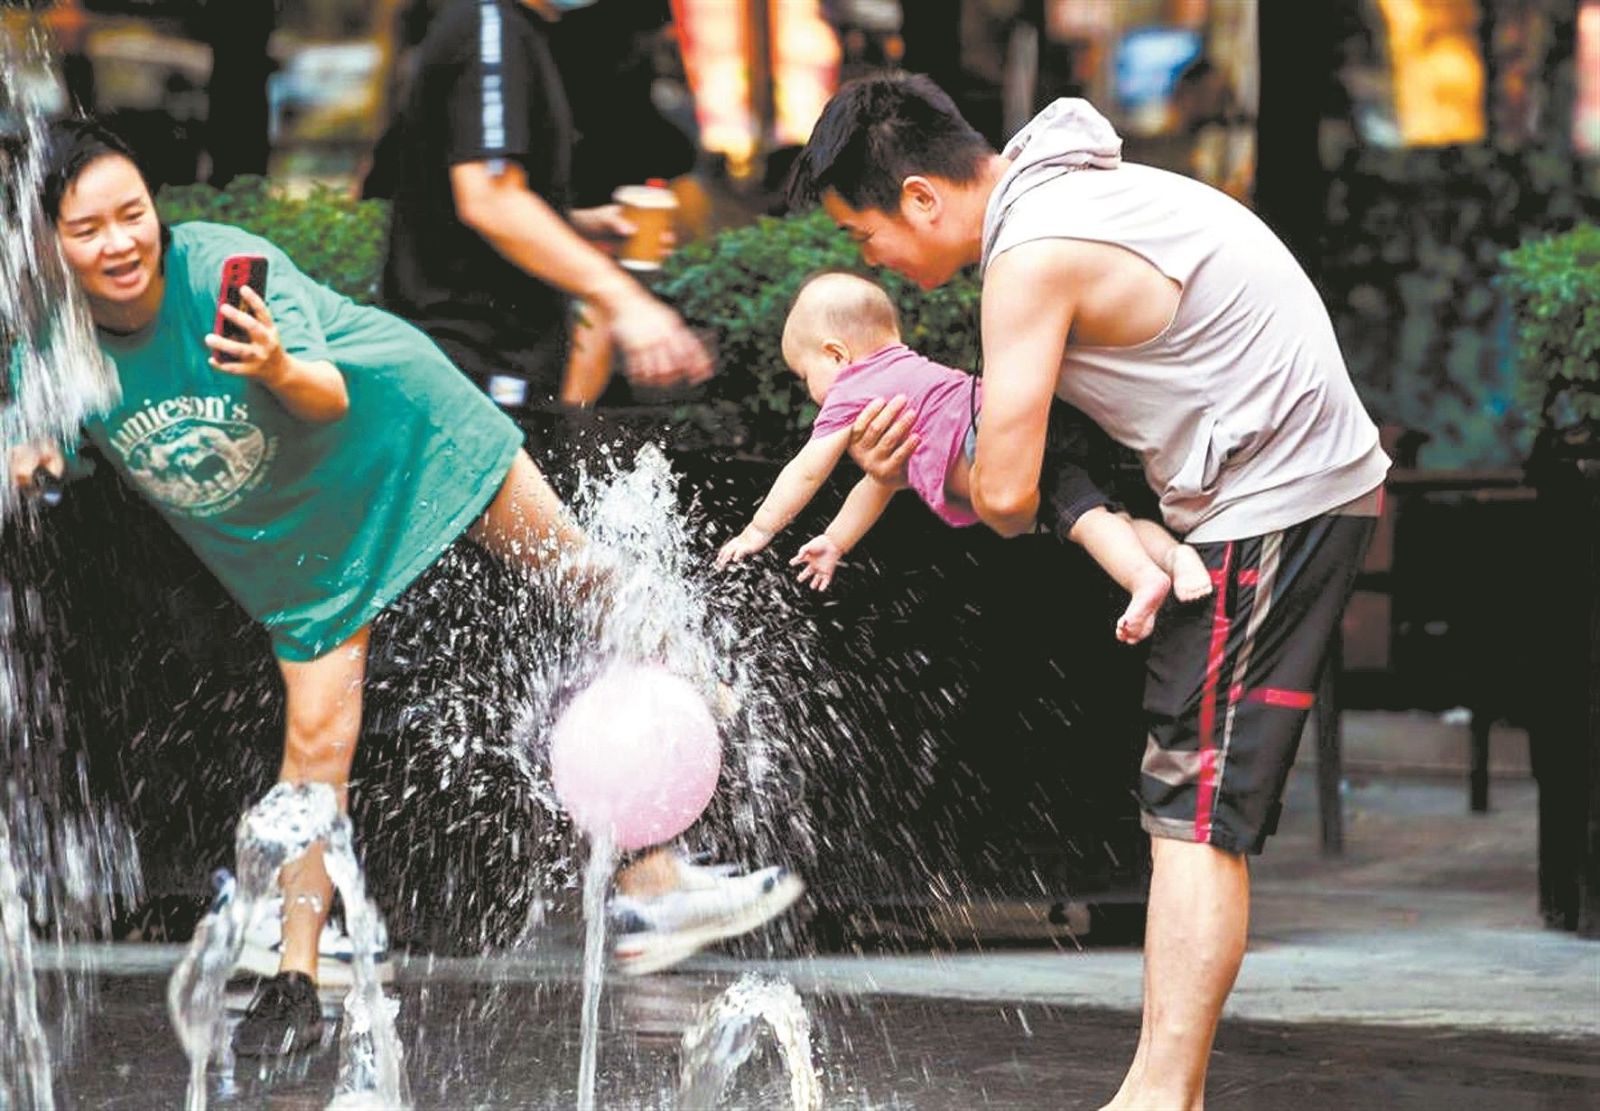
(244, 340)
(260, 354)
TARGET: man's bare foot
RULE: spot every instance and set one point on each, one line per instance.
(1149, 591)
(1190, 578)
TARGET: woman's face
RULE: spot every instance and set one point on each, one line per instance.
(110, 235)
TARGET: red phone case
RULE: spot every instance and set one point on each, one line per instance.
(238, 271)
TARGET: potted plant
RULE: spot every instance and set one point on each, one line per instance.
(1553, 284)
(1554, 287)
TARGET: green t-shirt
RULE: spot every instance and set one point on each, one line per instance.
(313, 527)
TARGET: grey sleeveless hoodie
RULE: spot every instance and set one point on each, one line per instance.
(1241, 409)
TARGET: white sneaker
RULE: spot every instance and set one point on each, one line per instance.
(263, 948)
(710, 904)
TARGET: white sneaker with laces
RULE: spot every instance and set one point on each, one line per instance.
(263, 948)
(711, 903)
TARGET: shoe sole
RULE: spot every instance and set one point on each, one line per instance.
(331, 971)
(648, 952)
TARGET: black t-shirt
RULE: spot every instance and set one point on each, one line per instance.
(607, 59)
(485, 89)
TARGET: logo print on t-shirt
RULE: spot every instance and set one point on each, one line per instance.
(195, 460)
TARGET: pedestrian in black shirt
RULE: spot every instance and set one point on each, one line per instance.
(484, 253)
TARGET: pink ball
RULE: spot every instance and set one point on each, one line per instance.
(635, 756)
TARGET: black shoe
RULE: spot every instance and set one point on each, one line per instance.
(284, 1017)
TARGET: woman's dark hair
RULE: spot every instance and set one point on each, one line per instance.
(878, 131)
(71, 145)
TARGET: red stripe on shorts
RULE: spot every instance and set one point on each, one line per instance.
(1273, 696)
(1206, 788)
(1277, 696)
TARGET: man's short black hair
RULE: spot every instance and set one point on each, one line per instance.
(876, 132)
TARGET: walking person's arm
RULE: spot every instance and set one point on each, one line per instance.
(497, 203)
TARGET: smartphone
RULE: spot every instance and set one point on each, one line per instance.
(238, 271)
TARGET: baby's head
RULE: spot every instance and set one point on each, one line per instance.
(836, 319)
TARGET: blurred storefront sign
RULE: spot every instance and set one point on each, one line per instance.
(805, 68)
(760, 70)
(1066, 19)
(1148, 63)
(1437, 70)
(1586, 110)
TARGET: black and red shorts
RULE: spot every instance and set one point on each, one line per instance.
(1231, 678)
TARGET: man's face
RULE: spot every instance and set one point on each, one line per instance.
(908, 242)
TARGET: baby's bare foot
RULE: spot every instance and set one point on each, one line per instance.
(1149, 591)
(1190, 579)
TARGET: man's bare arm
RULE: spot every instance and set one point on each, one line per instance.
(881, 440)
(497, 203)
(1030, 294)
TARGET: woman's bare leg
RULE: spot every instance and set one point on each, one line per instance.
(322, 724)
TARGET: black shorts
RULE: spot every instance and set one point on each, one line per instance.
(1231, 678)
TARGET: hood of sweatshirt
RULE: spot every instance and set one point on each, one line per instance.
(1068, 135)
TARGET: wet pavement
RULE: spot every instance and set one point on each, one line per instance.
(504, 1035)
(1411, 972)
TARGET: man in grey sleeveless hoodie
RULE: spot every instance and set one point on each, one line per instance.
(1175, 319)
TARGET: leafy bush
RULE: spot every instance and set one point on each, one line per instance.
(737, 288)
(1554, 288)
(334, 239)
(1412, 250)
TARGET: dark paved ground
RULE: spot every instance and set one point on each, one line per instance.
(514, 1045)
(1424, 938)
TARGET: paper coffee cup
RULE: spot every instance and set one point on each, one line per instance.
(651, 209)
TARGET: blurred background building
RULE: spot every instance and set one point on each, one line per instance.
(1334, 119)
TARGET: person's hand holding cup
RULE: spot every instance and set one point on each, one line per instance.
(652, 209)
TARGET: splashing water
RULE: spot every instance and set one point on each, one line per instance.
(24, 1052)
(55, 372)
(596, 882)
(724, 1036)
(58, 869)
(658, 610)
(282, 827)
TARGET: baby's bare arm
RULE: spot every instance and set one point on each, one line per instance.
(800, 480)
(861, 510)
(821, 554)
(797, 483)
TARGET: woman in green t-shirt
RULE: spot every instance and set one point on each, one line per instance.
(317, 466)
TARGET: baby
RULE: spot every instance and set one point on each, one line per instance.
(842, 338)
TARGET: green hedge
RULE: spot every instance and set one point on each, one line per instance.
(1553, 284)
(336, 240)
